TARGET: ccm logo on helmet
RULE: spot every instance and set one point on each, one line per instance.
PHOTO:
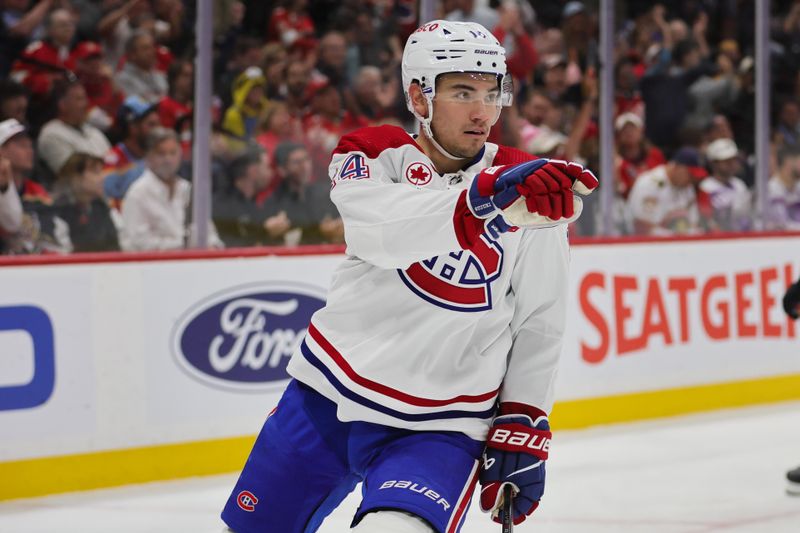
(519, 438)
(246, 501)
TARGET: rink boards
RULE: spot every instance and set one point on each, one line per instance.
(165, 366)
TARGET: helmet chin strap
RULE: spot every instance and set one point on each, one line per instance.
(426, 126)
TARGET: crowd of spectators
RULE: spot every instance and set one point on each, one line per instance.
(96, 104)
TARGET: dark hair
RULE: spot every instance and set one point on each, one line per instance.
(237, 168)
(11, 89)
(130, 44)
(683, 49)
(76, 165)
(623, 62)
(174, 71)
(61, 87)
(284, 150)
(529, 91)
(787, 152)
(245, 43)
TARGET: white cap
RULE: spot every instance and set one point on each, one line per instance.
(10, 128)
(628, 118)
(721, 149)
(545, 141)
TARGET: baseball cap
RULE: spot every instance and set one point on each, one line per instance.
(721, 149)
(318, 86)
(628, 118)
(134, 108)
(554, 60)
(572, 8)
(690, 157)
(545, 141)
(10, 128)
(86, 50)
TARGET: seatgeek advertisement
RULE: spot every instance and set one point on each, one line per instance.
(105, 356)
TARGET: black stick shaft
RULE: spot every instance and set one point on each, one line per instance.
(508, 513)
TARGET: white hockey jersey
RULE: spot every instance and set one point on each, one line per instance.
(430, 322)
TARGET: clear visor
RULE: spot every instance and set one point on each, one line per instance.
(470, 88)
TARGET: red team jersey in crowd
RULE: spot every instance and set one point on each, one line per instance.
(40, 64)
(170, 111)
(486, 311)
(629, 170)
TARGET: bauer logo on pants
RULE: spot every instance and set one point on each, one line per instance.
(243, 338)
(246, 501)
(27, 357)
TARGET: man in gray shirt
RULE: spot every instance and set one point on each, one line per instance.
(139, 77)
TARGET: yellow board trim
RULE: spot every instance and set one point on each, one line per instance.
(85, 471)
(52, 475)
(577, 414)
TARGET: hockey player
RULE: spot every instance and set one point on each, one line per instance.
(791, 304)
(432, 364)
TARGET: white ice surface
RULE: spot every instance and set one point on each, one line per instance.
(723, 471)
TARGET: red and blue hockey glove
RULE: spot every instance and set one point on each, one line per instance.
(546, 185)
(496, 187)
(515, 453)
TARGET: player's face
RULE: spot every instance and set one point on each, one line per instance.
(464, 109)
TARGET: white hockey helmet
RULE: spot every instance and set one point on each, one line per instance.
(440, 47)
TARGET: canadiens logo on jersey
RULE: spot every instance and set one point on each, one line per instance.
(459, 281)
(418, 174)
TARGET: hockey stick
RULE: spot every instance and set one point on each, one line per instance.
(508, 500)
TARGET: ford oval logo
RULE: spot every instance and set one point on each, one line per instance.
(243, 338)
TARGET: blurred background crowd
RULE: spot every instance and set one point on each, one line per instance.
(96, 104)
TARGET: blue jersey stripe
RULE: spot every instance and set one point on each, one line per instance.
(349, 394)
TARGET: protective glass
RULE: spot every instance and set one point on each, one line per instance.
(470, 88)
